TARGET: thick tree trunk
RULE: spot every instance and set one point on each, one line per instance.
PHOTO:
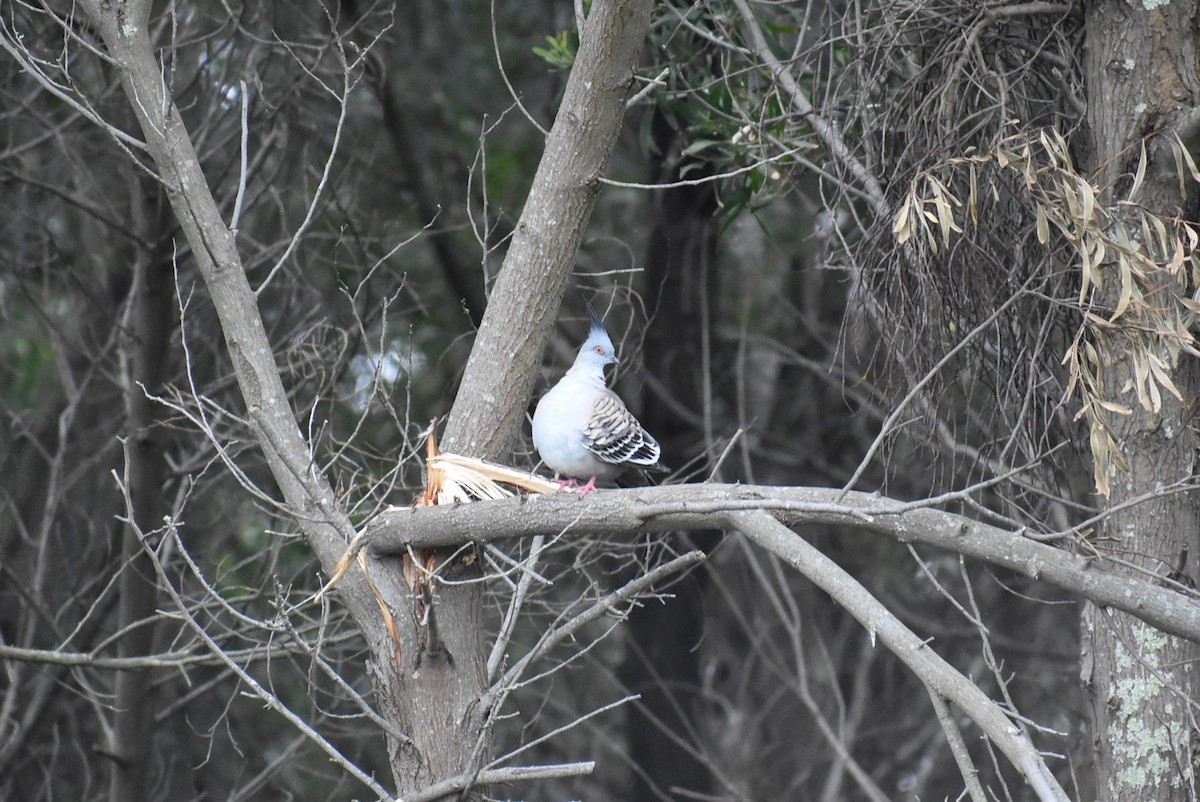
(452, 731)
(1140, 71)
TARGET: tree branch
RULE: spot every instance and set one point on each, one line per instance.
(825, 130)
(602, 607)
(524, 301)
(504, 775)
(663, 509)
(958, 746)
(938, 675)
(124, 29)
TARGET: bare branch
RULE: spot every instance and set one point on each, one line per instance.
(663, 509)
(505, 775)
(957, 746)
(604, 606)
(659, 80)
(825, 129)
(307, 493)
(269, 698)
(919, 386)
(163, 660)
(496, 657)
(934, 671)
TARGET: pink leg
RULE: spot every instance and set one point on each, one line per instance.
(590, 487)
(563, 484)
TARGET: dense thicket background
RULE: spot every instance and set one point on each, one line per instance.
(817, 209)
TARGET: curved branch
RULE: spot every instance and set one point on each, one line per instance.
(662, 509)
(938, 675)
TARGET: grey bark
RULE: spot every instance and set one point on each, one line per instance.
(490, 405)
(525, 299)
(1141, 73)
(617, 513)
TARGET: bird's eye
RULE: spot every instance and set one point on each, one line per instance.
(600, 349)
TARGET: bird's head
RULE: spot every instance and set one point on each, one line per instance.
(597, 351)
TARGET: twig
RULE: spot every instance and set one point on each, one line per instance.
(695, 182)
(568, 726)
(505, 775)
(958, 747)
(319, 192)
(917, 388)
(504, 73)
(514, 608)
(824, 129)
(269, 699)
(659, 80)
(163, 660)
(236, 218)
(602, 606)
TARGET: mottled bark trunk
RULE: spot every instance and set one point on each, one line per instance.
(442, 697)
(1142, 82)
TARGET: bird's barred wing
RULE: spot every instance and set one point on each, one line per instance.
(616, 437)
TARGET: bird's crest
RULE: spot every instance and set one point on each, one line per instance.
(597, 321)
(598, 348)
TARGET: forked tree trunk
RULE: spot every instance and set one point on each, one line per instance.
(428, 690)
(522, 308)
(1142, 82)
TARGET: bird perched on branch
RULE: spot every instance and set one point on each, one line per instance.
(582, 429)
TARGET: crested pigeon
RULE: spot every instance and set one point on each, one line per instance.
(582, 429)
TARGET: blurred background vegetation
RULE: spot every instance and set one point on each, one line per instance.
(376, 158)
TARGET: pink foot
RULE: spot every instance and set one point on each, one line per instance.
(564, 484)
(590, 487)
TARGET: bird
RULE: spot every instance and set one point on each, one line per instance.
(581, 428)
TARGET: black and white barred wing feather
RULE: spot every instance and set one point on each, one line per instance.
(614, 436)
